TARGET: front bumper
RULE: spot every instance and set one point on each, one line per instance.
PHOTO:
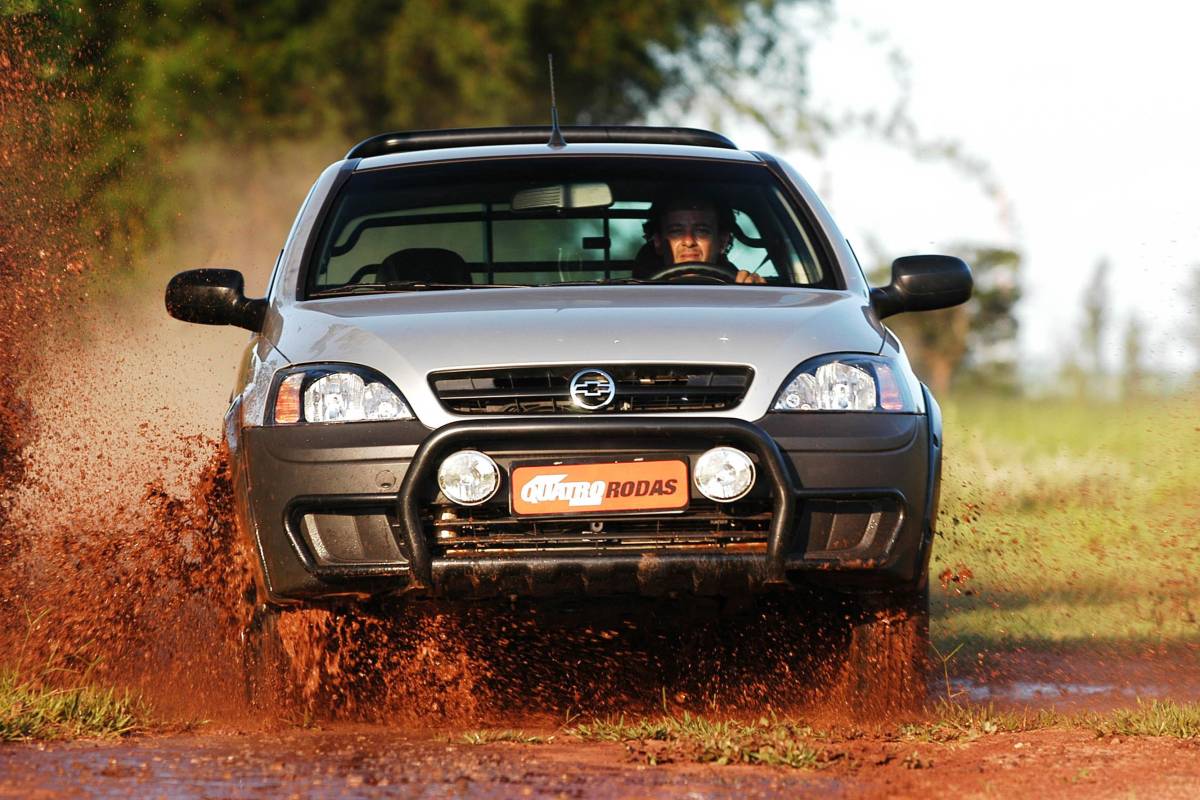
(845, 500)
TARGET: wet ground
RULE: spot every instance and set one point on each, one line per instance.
(375, 762)
(343, 760)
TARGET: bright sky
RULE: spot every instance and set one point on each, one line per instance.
(1089, 118)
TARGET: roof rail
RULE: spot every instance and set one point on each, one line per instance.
(406, 141)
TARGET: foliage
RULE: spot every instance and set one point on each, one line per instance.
(771, 741)
(493, 735)
(1152, 718)
(33, 710)
(1191, 300)
(1084, 370)
(159, 74)
(1133, 361)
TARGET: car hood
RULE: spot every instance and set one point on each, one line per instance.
(408, 335)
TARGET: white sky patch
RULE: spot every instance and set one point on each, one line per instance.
(1088, 118)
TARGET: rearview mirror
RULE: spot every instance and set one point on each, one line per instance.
(214, 297)
(923, 283)
(564, 195)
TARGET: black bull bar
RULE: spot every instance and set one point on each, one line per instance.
(785, 490)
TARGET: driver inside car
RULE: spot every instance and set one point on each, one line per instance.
(692, 230)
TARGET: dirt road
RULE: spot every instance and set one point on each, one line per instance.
(374, 762)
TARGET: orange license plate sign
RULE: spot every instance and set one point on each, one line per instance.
(592, 488)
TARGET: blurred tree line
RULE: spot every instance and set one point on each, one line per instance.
(134, 81)
(156, 74)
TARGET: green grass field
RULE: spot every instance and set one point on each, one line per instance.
(1073, 525)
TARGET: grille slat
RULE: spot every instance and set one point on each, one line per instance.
(491, 530)
(640, 388)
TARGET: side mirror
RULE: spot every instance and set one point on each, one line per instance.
(923, 283)
(214, 297)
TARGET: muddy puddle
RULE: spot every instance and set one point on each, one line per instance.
(358, 761)
(1077, 681)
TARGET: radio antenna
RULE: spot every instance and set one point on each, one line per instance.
(556, 137)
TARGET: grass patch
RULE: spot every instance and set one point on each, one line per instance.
(492, 736)
(792, 743)
(952, 721)
(30, 710)
(770, 742)
(1155, 718)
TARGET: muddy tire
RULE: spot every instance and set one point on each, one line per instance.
(887, 652)
(264, 661)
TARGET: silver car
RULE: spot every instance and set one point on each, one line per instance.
(643, 362)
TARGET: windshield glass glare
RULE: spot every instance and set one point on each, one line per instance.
(669, 220)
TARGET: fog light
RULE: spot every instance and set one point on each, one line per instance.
(723, 474)
(469, 477)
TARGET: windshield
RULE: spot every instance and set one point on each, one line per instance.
(562, 220)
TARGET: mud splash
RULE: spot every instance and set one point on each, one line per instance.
(39, 244)
(534, 661)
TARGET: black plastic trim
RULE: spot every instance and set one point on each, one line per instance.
(933, 487)
(361, 503)
(409, 141)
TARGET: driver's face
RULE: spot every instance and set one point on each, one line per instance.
(688, 236)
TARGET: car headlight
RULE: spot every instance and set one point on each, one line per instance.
(848, 382)
(336, 393)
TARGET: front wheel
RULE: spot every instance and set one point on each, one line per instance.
(264, 660)
(887, 652)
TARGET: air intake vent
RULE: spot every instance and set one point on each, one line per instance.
(639, 389)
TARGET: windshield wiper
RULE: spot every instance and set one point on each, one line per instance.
(405, 286)
(602, 282)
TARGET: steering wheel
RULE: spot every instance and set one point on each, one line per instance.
(708, 273)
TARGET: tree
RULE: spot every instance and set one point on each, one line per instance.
(160, 74)
(975, 343)
(1083, 371)
(1133, 384)
(1191, 299)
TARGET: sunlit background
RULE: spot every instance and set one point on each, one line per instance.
(1084, 122)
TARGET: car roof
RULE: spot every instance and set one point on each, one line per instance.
(407, 141)
(536, 150)
(410, 147)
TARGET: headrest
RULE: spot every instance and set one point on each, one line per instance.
(425, 264)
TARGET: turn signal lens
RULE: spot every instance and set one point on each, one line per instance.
(287, 400)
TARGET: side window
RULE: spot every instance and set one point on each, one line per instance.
(751, 255)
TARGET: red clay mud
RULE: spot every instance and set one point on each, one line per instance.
(374, 762)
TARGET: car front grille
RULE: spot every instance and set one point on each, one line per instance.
(639, 389)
